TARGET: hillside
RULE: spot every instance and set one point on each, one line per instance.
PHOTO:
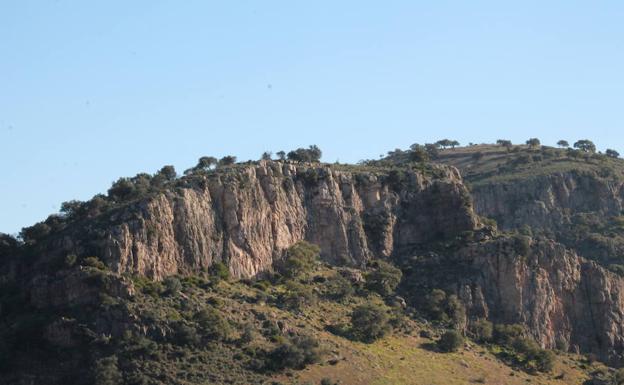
(570, 196)
(296, 271)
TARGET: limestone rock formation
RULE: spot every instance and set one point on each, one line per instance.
(563, 299)
(247, 216)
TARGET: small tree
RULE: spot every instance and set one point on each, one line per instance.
(585, 145)
(206, 162)
(72, 209)
(504, 143)
(450, 341)
(454, 144)
(164, 175)
(168, 172)
(418, 153)
(227, 160)
(311, 154)
(444, 143)
(384, 278)
(281, 155)
(432, 150)
(266, 155)
(369, 322)
(563, 144)
(533, 143)
(612, 153)
(122, 190)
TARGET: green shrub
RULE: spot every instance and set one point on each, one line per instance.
(185, 335)
(482, 330)
(297, 296)
(456, 311)
(369, 322)
(533, 356)
(506, 334)
(106, 372)
(529, 352)
(173, 286)
(300, 258)
(434, 305)
(450, 341)
(294, 354)
(545, 360)
(337, 288)
(93, 262)
(384, 278)
(445, 308)
(220, 271)
(212, 324)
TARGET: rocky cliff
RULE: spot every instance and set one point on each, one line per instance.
(548, 201)
(564, 300)
(247, 215)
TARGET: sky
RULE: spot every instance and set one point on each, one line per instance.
(91, 91)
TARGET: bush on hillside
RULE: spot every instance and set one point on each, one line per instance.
(505, 334)
(297, 296)
(384, 278)
(300, 258)
(220, 271)
(106, 372)
(296, 353)
(445, 308)
(337, 288)
(172, 285)
(482, 330)
(212, 324)
(450, 341)
(369, 322)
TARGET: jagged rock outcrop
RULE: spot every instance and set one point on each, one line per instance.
(563, 299)
(246, 216)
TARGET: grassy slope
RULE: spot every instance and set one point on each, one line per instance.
(491, 166)
(400, 358)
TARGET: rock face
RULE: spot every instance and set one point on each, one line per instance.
(548, 201)
(247, 216)
(563, 299)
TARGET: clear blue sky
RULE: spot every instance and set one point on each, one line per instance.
(94, 90)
